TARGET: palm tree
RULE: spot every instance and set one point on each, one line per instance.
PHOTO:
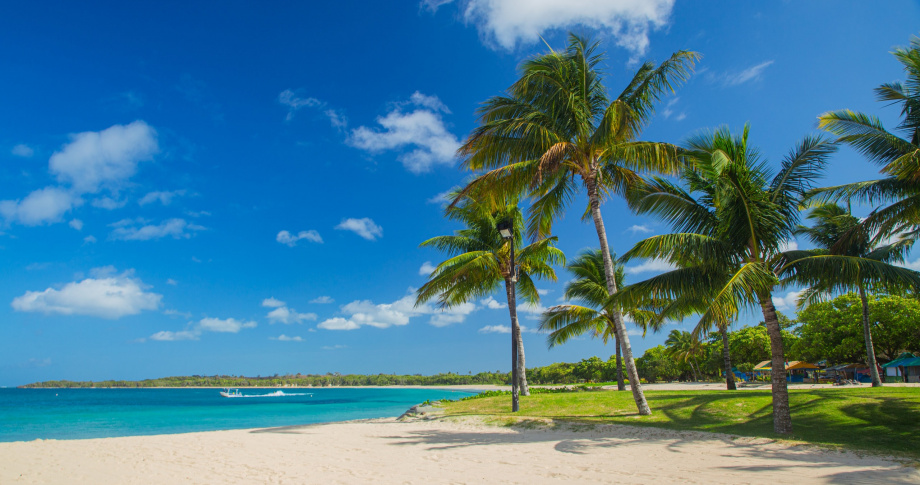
(899, 157)
(595, 315)
(557, 126)
(844, 262)
(683, 346)
(731, 223)
(481, 260)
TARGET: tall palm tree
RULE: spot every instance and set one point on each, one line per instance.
(844, 263)
(556, 126)
(899, 157)
(595, 314)
(684, 346)
(481, 261)
(731, 223)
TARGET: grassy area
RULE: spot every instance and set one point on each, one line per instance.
(882, 420)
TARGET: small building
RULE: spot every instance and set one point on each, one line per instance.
(906, 368)
(796, 370)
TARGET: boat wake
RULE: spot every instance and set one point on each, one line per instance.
(278, 394)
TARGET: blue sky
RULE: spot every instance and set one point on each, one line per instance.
(212, 188)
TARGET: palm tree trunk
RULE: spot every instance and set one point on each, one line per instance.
(782, 419)
(631, 371)
(521, 367)
(621, 386)
(867, 333)
(729, 375)
(512, 310)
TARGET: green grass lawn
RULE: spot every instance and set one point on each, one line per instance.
(882, 420)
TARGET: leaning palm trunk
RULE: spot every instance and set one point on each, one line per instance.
(631, 371)
(729, 375)
(782, 419)
(867, 333)
(621, 386)
(512, 310)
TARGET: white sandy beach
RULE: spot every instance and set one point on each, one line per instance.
(437, 451)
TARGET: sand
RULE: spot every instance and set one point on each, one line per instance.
(437, 451)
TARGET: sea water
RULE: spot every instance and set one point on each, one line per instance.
(28, 414)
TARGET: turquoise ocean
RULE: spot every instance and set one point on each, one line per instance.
(28, 414)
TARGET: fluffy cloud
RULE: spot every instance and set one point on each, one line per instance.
(76, 224)
(322, 300)
(650, 266)
(789, 301)
(426, 269)
(42, 206)
(24, 151)
(167, 336)
(163, 197)
(639, 228)
(138, 230)
(285, 237)
(96, 159)
(104, 295)
(493, 304)
(227, 325)
(504, 329)
(288, 316)
(421, 128)
(285, 338)
(510, 22)
(362, 313)
(272, 303)
(365, 228)
(442, 198)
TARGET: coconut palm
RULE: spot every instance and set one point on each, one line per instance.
(899, 157)
(844, 263)
(731, 222)
(594, 315)
(481, 261)
(556, 130)
(683, 346)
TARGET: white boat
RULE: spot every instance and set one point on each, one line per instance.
(231, 393)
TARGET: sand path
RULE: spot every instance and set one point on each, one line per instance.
(438, 451)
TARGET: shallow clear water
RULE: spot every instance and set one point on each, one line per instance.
(28, 414)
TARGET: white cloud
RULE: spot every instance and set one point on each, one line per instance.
(272, 303)
(364, 227)
(336, 119)
(790, 245)
(96, 159)
(167, 336)
(76, 224)
(171, 282)
(89, 239)
(639, 228)
(22, 151)
(366, 313)
(293, 102)
(442, 198)
(492, 303)
(228, 325)
(285, 237)
(285, 338)
(109, 203)
(789, 301)
(422, 128)
(104, 295)
(504, 329)
(650, 266)
(288, 316)
(750, 74)
(426, 269)
(129, 230)
(914, 265)
(42, 206)
(322, 300)
(164, 197)
(509, 23)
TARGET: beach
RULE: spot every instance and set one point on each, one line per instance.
(456, 450)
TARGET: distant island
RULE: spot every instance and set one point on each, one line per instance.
(558, 373)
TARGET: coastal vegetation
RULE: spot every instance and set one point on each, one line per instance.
(876, 420)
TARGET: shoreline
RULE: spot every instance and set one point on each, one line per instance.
(464, 450)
